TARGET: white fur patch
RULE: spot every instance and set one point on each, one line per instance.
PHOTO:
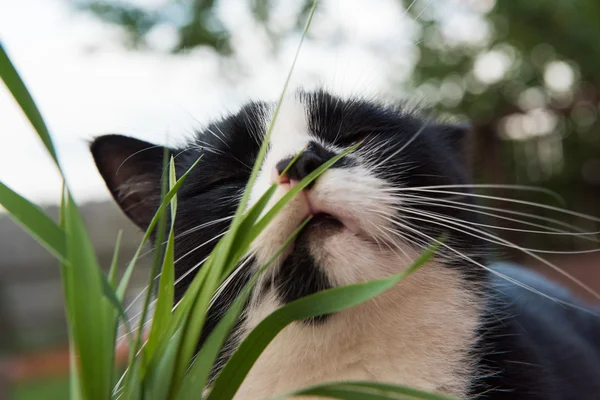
(418, 333)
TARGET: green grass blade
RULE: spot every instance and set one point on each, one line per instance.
(197, 376)
(122, 288)
(263, 149)
(166, 287)
(114, 264)
(242, 240)
(74, 385)
(159, 378)
(132, 388)
(264, 221)
(222, 261)
(34, 221)
(195, 321)
(110, 294)
(93, 330)
(342, 392)
(366, 390)
(15, 85)
(325, 302)
(158, 254)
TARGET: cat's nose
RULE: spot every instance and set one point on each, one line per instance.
(306, 163)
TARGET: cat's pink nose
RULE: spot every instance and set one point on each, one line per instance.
(306, 163)
(278, 178)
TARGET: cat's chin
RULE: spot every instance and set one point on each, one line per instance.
(323, 223)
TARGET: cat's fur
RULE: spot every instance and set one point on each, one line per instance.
(453, 327)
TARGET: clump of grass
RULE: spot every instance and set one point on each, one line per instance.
(166, 365)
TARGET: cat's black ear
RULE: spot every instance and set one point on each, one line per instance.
(132, 170)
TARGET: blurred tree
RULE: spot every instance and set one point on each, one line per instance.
(524, 72)
(196, 21)
(529, 80)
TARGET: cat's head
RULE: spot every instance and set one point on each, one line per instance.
(373, 211)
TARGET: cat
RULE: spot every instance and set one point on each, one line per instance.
(456, 326)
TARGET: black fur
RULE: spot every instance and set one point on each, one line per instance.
(530, 347)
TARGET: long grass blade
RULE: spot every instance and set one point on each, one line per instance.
(15, 85)
(34, 221)
(166, 287)
(124, 283)
(365, 390)
(221, 260)
(93, 329)
(197, 376)
(268, 217)
(74, 385)
(325, 302)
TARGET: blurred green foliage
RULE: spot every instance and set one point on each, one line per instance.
(525, 73)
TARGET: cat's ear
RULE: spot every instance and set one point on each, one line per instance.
(132, 170)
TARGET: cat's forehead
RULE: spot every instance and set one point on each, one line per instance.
(328, 118)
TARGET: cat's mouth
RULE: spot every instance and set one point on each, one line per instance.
(324, 214)
(325, 220)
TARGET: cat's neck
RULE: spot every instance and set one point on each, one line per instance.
(420, 333)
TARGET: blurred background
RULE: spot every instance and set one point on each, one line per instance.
(525, 74)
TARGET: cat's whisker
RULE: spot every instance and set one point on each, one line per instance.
(396, 244)
(139, 295)
(221, 138)
(201, 226)
(492, 271)
(476, 207)
(527, 188)
(548, 230)
(229, 279)
(496, 239)
(468, 223)
(507, 199)
(134, 154)
(177, 281)
(405, 145)
(200, 246)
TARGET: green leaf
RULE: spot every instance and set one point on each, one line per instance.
(221, 260)
(160, 234)
(162, 313)
(159, 377)
(343, 392)
(264, 221)
(263, 148)
(325, 302)
(74, 384)
(15, 85)
(366, 390)
(243, 239)
(165, 203)
(111, 295)
(34, 221)
(197, 376)
(90, 311)
(246, 235)
(114, 264)
(197, 315)
(132, 388)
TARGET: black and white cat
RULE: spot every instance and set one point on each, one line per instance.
(455, 326)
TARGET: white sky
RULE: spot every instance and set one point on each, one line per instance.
(83, 93)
